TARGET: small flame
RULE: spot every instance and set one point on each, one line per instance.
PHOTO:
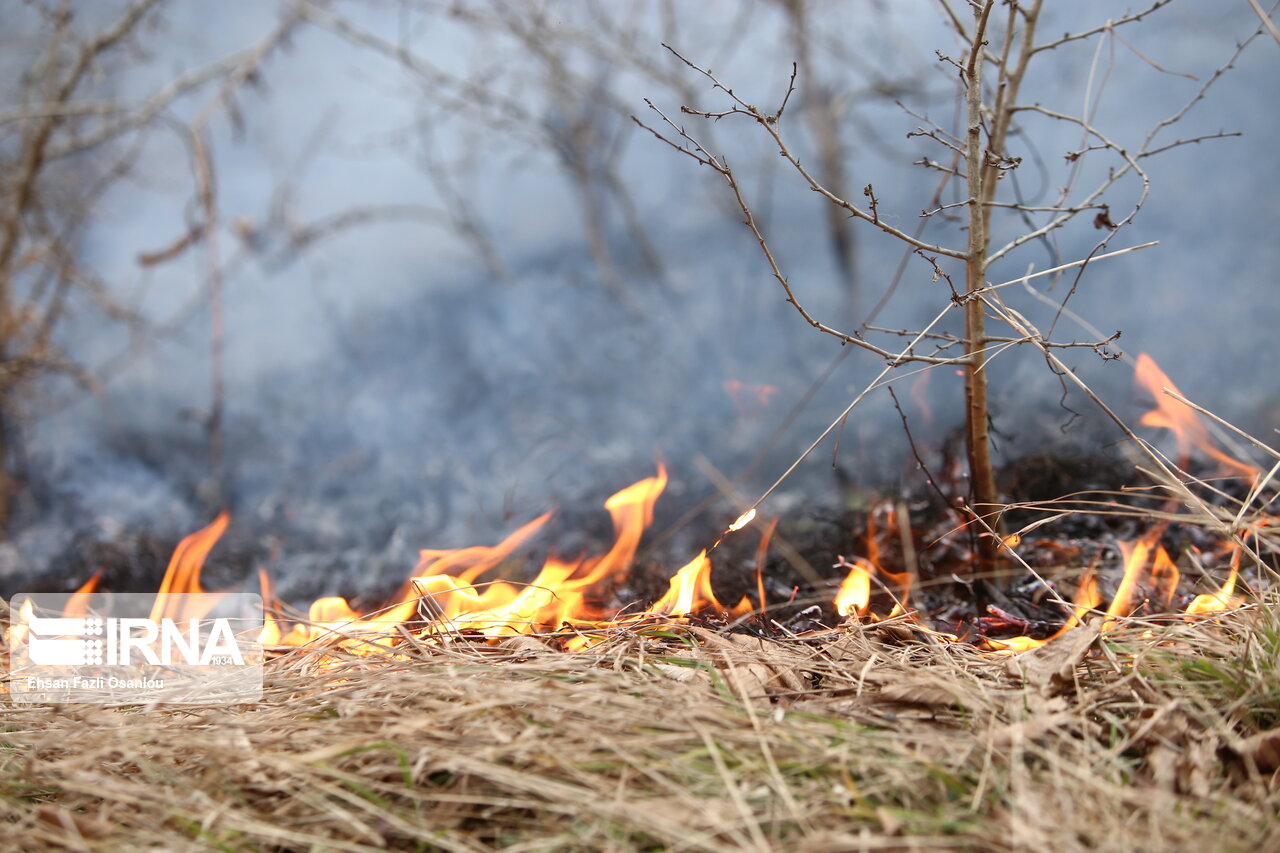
(445, 593)
(749, 398)
(854, 595)
(1087, 598)
(1149, 575)
(78, 603)
(1181, 419)
(762, 556)
(1225, 597)
(17, 631)
(183, 574)
(77, 606)
(689, 589)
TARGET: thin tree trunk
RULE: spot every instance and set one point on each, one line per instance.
(977, 414)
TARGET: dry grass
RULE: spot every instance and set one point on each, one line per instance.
(682, 739)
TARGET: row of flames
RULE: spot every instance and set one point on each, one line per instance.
(446, 592)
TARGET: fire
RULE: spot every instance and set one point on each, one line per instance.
(183, 574)
(1180, 419)
(1225, 597)
(749, 399)
(1087, 599)
(854, 596)
(1150, 576)
(77, 606)
(743, 520)
(690, 591)
(448, 592)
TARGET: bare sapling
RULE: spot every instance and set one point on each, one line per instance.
(998, 43)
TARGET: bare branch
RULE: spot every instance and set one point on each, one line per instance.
(770, 124)
(1107, 27)
(721, 167)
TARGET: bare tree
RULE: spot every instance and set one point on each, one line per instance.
(998, 43)
(73, 131)
(67, 140)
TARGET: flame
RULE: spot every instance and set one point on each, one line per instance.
(689, 590)
(270, 635)
(899, 580)
(17, 630)
(854, 596)
(77, 606)
(749, 399)
(78, 603)
(183, 574)
(1225, 597)
(1087, 598)
(762, 556)
(1149, 576)
(445, 592)
(743, 520)
(1181, 419)
(470, 563)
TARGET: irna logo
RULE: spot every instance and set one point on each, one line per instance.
(128, 648)
(131, 641)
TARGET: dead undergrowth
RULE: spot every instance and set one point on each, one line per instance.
(1152, 737)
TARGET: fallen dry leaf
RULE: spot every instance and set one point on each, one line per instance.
(524, 643)
(1051, 667)
(924, 691)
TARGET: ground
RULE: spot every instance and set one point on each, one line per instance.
(1150, 737)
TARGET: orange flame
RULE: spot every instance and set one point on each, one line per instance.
(762, 556)
(183, 574)
(445, 594)
(690, 589)
(1181, 419)
(77, 606)
(749, 398)
(78, 603)
(1087, 598)
(854, 596)
(1149, 575)
(1225, 597)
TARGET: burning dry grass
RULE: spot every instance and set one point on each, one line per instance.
(878, 738)
(1119, 734)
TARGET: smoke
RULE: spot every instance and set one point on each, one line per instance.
(570, 297)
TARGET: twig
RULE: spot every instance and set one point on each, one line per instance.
(915, 451)
(1266, 20)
